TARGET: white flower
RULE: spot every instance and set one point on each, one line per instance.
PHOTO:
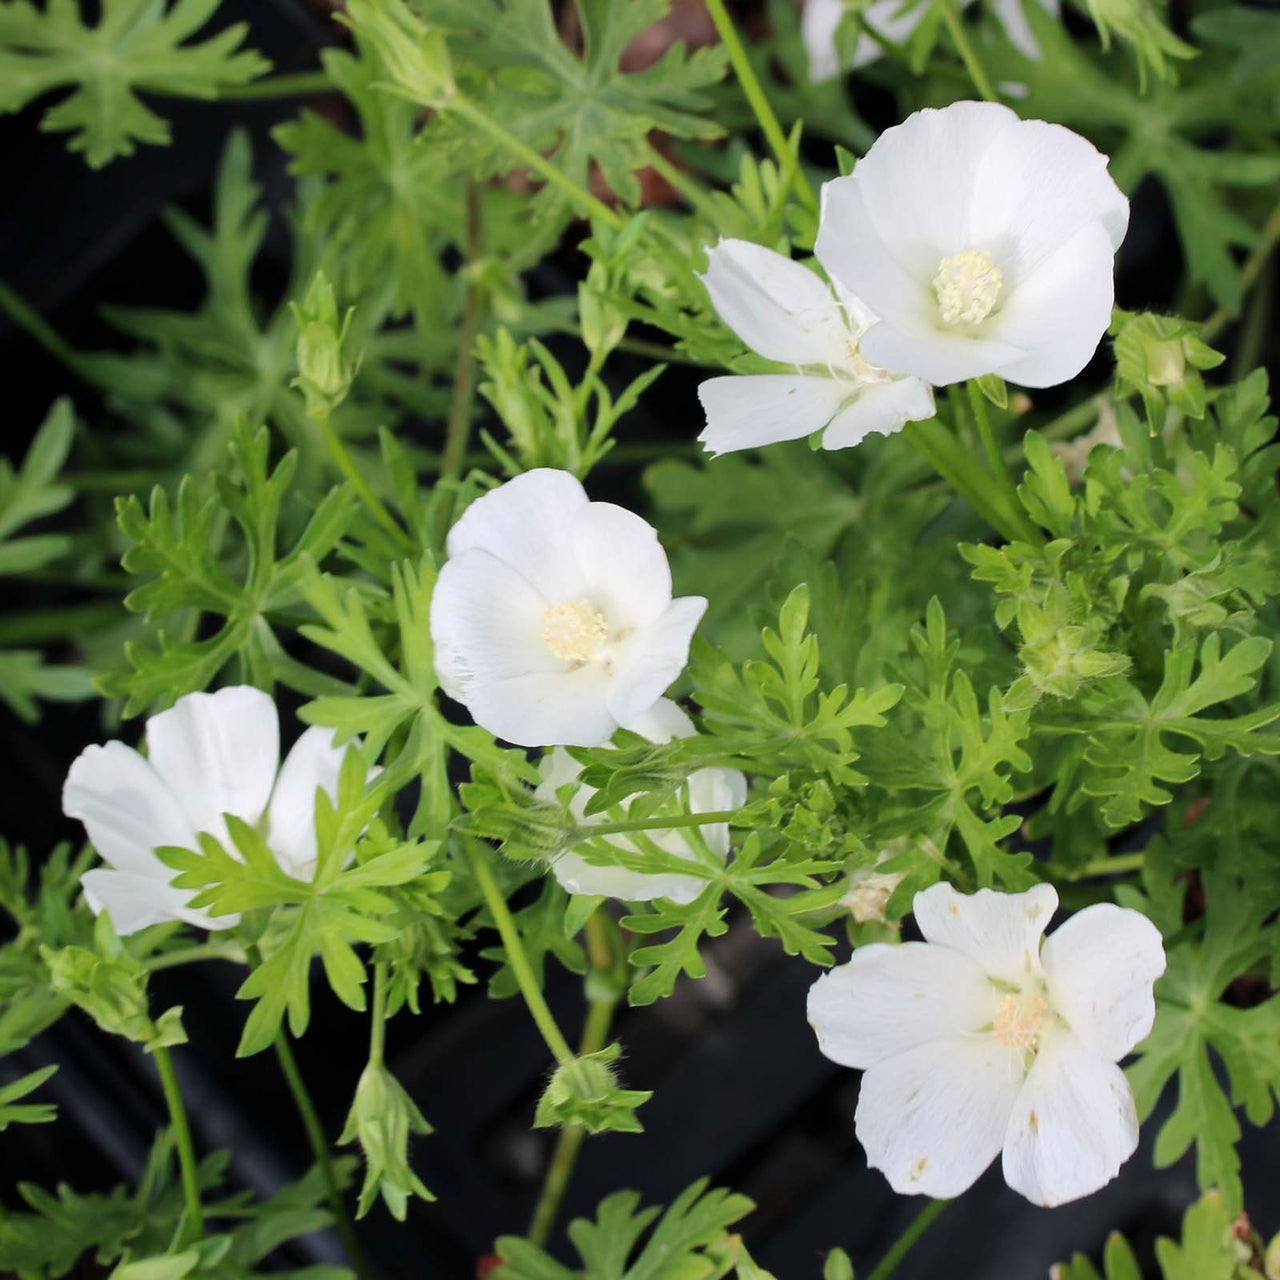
(210, 754)
(552, 619)
(895, 20)
(784, 312)
(983, 243)
(979, 1040)
(707, 791)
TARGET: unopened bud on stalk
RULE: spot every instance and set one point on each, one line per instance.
(325, 375)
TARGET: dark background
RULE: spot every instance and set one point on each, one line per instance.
(742, 1094)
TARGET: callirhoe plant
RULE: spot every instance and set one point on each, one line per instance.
(931, 637)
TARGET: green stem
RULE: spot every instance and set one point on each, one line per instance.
(968, 54)
(904, 1243)
(286, 86)
(995, 458)
(747, 78)
(1268, 237)
(540, 165)
(1119, 865)
(320, 1149)
(516, 957)
(595, 1034)
(354, 476)
(192, 1226)
(232, 951)
(943, 453)
(378, 1017)
(660, 824)
(458, 430)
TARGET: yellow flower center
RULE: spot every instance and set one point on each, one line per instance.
(1021, 1020)
(968, 287)
(574, 632)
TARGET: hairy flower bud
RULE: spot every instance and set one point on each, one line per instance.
(585, 1091)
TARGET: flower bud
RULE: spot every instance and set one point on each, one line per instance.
(382, 1118)
(414, 54)
(585, 1091)
(324, 373)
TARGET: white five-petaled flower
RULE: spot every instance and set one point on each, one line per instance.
(711, 790)
(895, 20)
(983, 244)
(210, 754)
(785, 312)
(980, 1040)
(552, 619)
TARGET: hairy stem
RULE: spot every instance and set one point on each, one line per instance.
(378, 1017)
(192, 1227)
(659, 823)
(320, 1149)
(1121, 864)
(595, 1034)
(232, 951)
(516, 957)
(586, 202)
(287, 86)
(904, 1243)
(458, 431)
(750, 83)
(968, 54)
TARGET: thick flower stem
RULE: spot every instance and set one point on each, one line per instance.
(747, 78)
(192, 1227)
(298, 84)
(458, 430)
(534, 160)
(595, 1033)
(968, 54)
(232, 951)
(343, 461)
(996, 459)
(320, 1149)
(516, 957)
(661, 824)
(378, 1017)
(904, 1243)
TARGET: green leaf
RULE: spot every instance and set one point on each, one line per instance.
(14, 1112)
(32, 492)
(137, 45)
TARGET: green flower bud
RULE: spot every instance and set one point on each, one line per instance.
(1140, 23)
(325, 375)
(585, 1091)
(414, 54)
(382, 1119)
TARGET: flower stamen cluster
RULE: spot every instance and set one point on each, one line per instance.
(968, 287)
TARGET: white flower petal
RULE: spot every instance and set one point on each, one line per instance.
(662, 722)
(1100, 967)
(546, 708)
(126, 809)
(780, 309)
(650, 659)
(217, 753)
(1074, 1124)
(888, 999)
(1017, 28)
(818, 23)
(1060, 312)
(138, 901)
(313, 763)
(486, 624)
(526, 523)
(577, 875)
(933, 1118)
(1036, 187)
(623, 564)
(1000, 932)
(716, 790)
(758, 409)
(881, 407)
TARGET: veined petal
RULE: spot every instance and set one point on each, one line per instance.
(1100, 968)
(527, 523)
(1059, 313)
(486, 624)
(999, 932)
(881, 408)
(546, 708)
(136, 902)
(217, 753)
(313, 764)
(933, 1118)
(888, 999)
(767, 408)
(126, 809)
(623, 564)
(1073, 1125)
(780, 309)
(650, 659)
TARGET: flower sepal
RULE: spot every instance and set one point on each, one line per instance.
(585, 1091)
